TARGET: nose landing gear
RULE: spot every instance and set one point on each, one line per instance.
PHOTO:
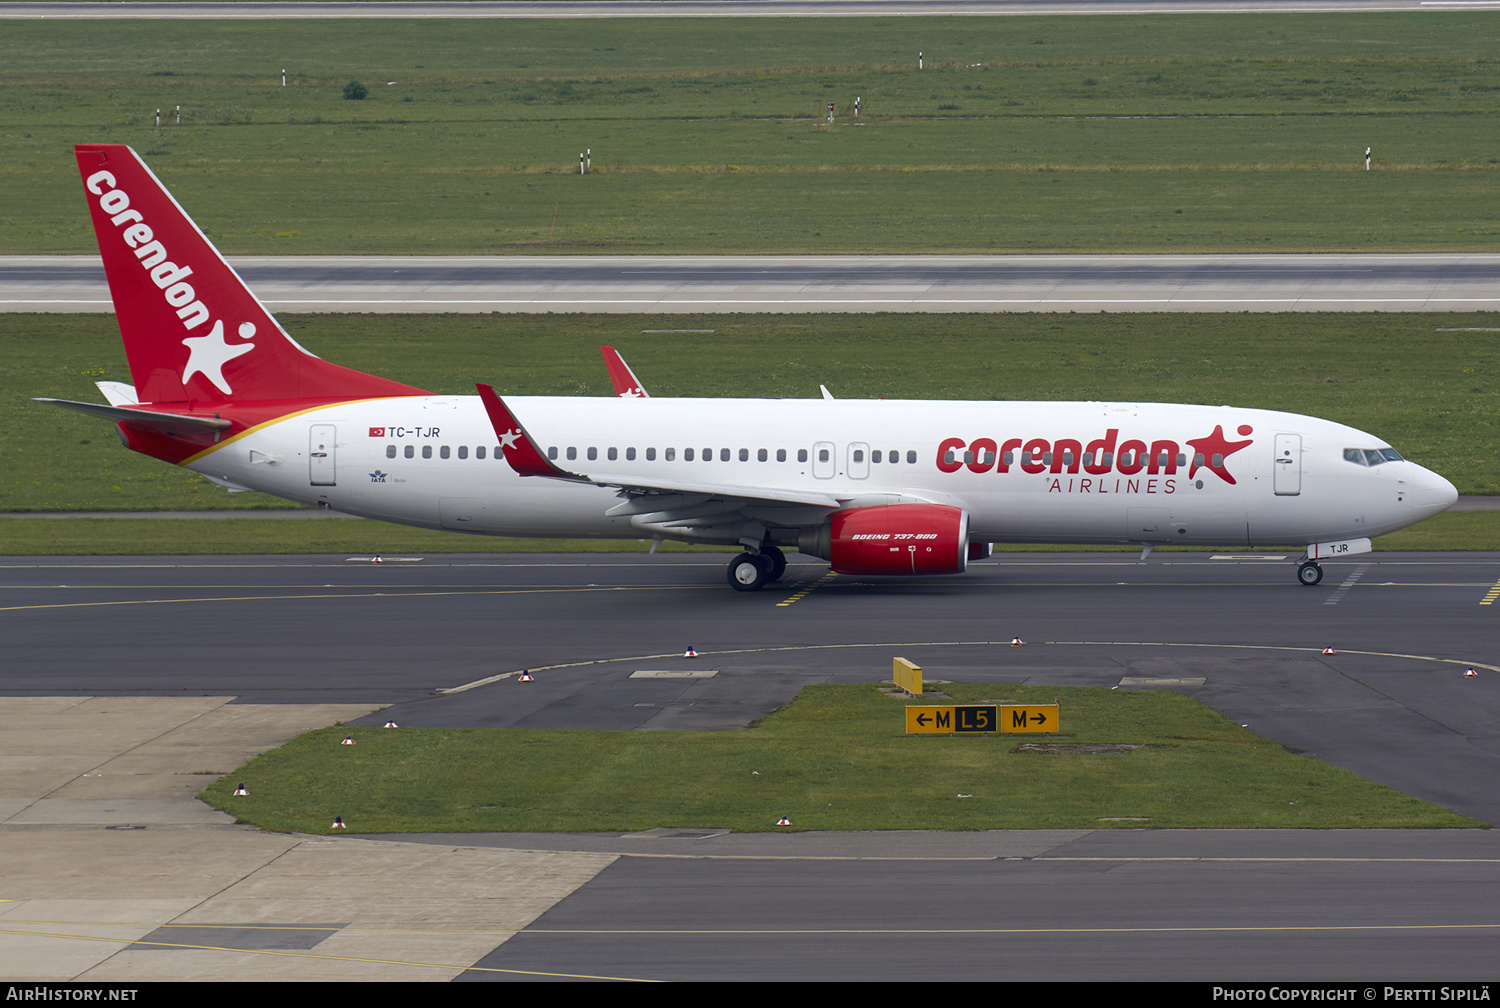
(1309, 572)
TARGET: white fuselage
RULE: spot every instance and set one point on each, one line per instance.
(1024, 471)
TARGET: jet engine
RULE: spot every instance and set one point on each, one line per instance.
(892, 539)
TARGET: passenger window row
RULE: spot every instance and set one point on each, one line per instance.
(442, 452)
(592, 454)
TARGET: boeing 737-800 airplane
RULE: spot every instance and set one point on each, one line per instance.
(872, 486)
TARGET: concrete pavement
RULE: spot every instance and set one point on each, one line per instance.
(113, 872)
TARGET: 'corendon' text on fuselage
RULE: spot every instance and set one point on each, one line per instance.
(1104, 456)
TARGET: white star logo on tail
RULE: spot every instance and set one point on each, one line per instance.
(509, 438)
(207, 355)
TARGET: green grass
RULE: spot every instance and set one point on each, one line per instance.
(837, 758)
(1140, 133)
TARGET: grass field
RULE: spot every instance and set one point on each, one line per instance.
(1142, 133)
(837, 758)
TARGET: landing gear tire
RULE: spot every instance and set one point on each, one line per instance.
(748, 572)
(777, 560)
(1309, 573)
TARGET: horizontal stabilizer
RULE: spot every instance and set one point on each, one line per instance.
(169, 422)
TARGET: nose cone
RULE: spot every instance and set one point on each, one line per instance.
(1429, 494)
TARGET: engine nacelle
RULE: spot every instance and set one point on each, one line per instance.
(892, 539)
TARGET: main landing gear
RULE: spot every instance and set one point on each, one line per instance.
(753, 571)
(1309, 572)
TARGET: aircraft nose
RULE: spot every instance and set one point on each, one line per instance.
(1429, 494)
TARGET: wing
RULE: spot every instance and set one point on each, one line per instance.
(665, 506)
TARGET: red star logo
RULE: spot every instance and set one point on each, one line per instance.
(1216, 444)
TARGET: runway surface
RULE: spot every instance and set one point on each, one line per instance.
(811, 283)
(441, 639)
(713, 8)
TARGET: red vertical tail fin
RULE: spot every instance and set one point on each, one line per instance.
(193, 331)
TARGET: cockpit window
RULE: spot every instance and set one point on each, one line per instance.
(1371, 456)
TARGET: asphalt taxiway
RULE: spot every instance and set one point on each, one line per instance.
(129, 679)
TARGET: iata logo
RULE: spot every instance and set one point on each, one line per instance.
(1100, 457)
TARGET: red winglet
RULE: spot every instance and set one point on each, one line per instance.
(627, 385)
(520, 450)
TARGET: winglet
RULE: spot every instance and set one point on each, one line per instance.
(520, 450)
(627, 385)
